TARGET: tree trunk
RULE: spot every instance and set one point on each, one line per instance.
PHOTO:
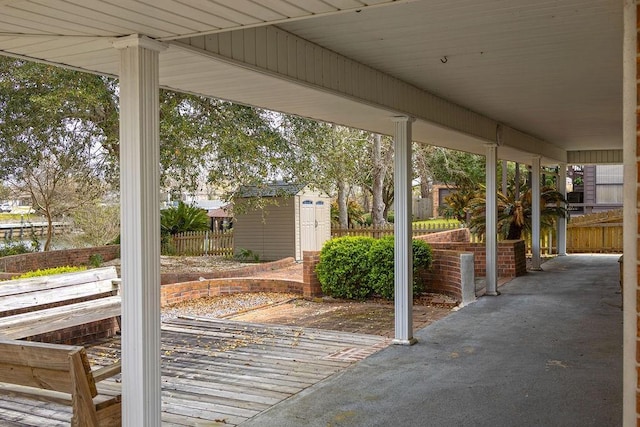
(47, 243)
(424, 187)
(515, 232)
(343, 216)
(379, 171)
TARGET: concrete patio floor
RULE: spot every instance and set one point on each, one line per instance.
(547, 352)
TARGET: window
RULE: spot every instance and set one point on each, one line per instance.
(609, 188)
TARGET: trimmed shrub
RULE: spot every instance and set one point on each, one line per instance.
(344, 267)
(422, 259)
(382, 265)
(381, 259)
(49, 272)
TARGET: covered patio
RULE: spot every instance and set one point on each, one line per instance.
(542, 83)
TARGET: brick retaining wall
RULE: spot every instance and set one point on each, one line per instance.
(179, 292)
(41, 260)
(445, 274)
(512, 261)
(250, 270)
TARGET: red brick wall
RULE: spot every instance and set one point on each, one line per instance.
(41, 260)
(81, 334)
(178, 292)
(449, 236)
(312, 287)
(445, 275)
(168, 278)
(512, 259)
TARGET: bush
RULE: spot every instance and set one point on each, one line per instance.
(422, 259)
(344, 267)
(96, 260)
(11, 248)
(49, 272)
(381, 259)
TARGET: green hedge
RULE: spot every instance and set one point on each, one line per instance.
(356, 267)
(344, 267)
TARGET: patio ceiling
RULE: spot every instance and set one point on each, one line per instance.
(548, 72)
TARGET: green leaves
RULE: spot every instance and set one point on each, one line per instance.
(356, 267)
(183, 218)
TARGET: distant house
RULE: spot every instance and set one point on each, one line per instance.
(293, 219)
(596, 188)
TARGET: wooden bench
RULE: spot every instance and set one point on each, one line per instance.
(62, 374)
(34, 306)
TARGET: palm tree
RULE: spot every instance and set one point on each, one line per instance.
(514, 216)
(457, 204)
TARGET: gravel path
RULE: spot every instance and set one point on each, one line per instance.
(224, 305)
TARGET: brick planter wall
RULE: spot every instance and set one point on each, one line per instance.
(512, 261)
(179, 292)
(41, 260)
(312, 287)
(449, 236)
(250, 270)
(445, 275)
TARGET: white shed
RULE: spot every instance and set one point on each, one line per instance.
(295, 219)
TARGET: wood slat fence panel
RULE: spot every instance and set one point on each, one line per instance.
(377, 232)
(197, 243)
(595, 238)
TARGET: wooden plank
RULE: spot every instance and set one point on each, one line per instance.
(19, 286)
(34, 323)
(36, 355)
(49, 296)
(208, 376)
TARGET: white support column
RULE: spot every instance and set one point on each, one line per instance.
(491, 218)
(562, 222)
(535, 214)
(630, 139)
(140, 225)
(403, 260)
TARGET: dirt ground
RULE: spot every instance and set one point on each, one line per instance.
(375, 318)
(369, 317)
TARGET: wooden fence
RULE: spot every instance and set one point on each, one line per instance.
(377, 232)
(596, 233)
(197, 243)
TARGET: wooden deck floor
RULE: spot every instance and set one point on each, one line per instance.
(221, 372)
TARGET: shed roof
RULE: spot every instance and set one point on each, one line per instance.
(276, 189)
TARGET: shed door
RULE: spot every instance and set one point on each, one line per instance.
(307, 225)
(323, 223)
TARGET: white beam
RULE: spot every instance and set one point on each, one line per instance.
(535, 214)
(403, 258)
(140, 225)
(491, 219)
(562, 222)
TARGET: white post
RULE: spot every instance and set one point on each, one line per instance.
(491, 220)
(535, 214)
(403, 259)
(630, 141)
(140, 226)
(562, 222)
